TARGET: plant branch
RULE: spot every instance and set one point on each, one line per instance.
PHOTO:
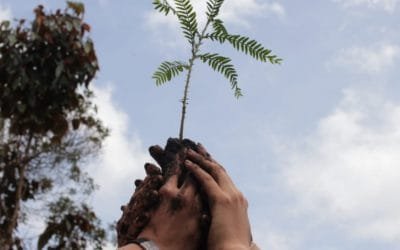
(195, 50)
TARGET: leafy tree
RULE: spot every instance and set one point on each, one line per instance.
(71, 227)
(195, 36)
(48, 127)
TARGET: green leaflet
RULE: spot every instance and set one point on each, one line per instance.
(187, 19)
(221, 64)
(213, 7)
(163, 7)
(219, 27)
(167, 70)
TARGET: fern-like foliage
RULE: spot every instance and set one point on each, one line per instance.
(242, 43)
(220, 33)
(253, 48)
(219, 27)
(167, 70)
(213, 7)
(187, 19)
(221, 64)
(163, 6)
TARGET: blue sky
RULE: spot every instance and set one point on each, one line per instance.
(314, 143)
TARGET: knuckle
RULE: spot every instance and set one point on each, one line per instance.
(166, 191)
(156, 182)
(245, 202)
(236, 198)
(240, 197)
(225, 199)
(208, 178)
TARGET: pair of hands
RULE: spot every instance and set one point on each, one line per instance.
(175, 224)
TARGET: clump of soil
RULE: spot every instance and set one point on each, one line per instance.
(135, 214)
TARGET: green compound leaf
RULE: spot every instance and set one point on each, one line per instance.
(253, 48)
(187, 19)
(242, 43)
(219, 27)
(213, 7)
(221, 64)
(248, 46)
(163, 6)
(167, 70)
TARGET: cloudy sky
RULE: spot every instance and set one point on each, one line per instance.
(314, 143)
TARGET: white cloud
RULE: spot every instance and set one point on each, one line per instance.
(232, 11)
(120, 162)
(387, 5)
(269, 239)
(348, 171)
(374, 59)
(5, 13)
(236, 11)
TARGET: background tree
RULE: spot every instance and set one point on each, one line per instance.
(48, 128)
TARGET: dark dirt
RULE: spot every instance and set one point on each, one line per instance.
(135, 214)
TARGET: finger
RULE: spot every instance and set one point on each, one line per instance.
(188, 190)
(208, 183)
(123, 207)
(213, 168)
(149, 183)
(152, 182)
(158, 155)
(151, 198)
(138, 183)
(170, 188)
(152, 169)
(202, 150)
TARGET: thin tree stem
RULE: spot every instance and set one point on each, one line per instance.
(195, 50)
(184, 99)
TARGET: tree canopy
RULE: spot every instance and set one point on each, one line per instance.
(48, 128)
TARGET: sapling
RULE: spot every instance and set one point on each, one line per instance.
(171, 158)
(196, 36)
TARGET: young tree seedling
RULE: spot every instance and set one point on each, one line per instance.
(213, 30)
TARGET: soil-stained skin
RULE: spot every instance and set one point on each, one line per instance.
(136, 214)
